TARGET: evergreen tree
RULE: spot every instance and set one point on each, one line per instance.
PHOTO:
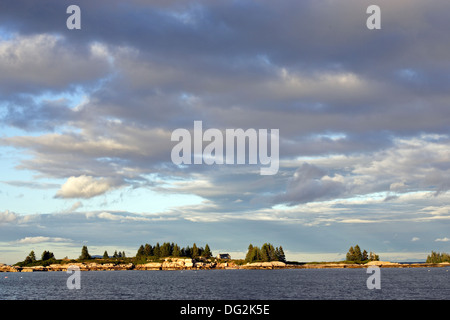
(187, 252)
(148, 250)
(141, 251)
(84, 253)
(105, 255)
(176, 251)
(157, 250)
(373, 257)
(265, 252)
(165, 250)
(195, 252)
(358, 254)
(32, 256)
(364, 256)
(281, 257)
(123, 254)
(207, 252)
(249, 257)
(47, 255)
(115, 255)
(350, 255)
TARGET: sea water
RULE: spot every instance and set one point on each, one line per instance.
(284, 284)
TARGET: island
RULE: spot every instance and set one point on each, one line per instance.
(266, 257)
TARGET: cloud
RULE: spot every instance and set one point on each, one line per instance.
(414, 239)
(310, 183)
(7, 216)
(24, 59)
(40, 239)
(442, 239)
(363, 116)
(75, 206)
(84, 187)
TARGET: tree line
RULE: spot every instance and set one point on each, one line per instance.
(47, 258)
(436, 257)
(354, 254)
(266, 253)
(173, 250)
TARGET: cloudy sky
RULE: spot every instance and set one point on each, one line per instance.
(87, 115)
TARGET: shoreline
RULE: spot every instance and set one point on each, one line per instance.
(190, 264)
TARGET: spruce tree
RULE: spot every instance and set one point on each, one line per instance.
(148, 250)
(281, 256)
(141, 251)
(207, 252)
(249, 257)
(358, 254)
(350, 254)
(157, 250)
(105, 255)
(364, 256)
(84, 253)
(32, 256)
(176, 251)
(195, 251)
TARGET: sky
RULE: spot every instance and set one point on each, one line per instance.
(87, 115)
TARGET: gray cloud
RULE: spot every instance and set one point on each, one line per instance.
(360, 112)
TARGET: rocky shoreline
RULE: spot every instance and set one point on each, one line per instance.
(190, 264)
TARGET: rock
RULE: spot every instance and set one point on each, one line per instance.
(150, 266)
(264, 265)
(382, 263)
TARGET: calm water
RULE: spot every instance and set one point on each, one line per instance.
(298, 284)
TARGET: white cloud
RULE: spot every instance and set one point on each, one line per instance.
(25, 59)
(7, 216)
(415, 239)
(40, 239)
(84, 187)
(442, 239)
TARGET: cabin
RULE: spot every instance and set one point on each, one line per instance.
(225, 256)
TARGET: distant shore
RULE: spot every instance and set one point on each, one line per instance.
(191, 264)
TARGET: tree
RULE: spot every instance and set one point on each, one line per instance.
(354, 254)
(123, 254)
(265, 253)
(187, 252)
(207, 252)
(47, 255)
(176, 251)
(280, 256)
(195, 251)
(364, 256)
(148, 250)
(373, 257)
(105, 255)
(350, 254)
(85, 253)
(358, 254)
(141, 251)
(249, 257)
(157, 250)
(165, 250)
(32, 256)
